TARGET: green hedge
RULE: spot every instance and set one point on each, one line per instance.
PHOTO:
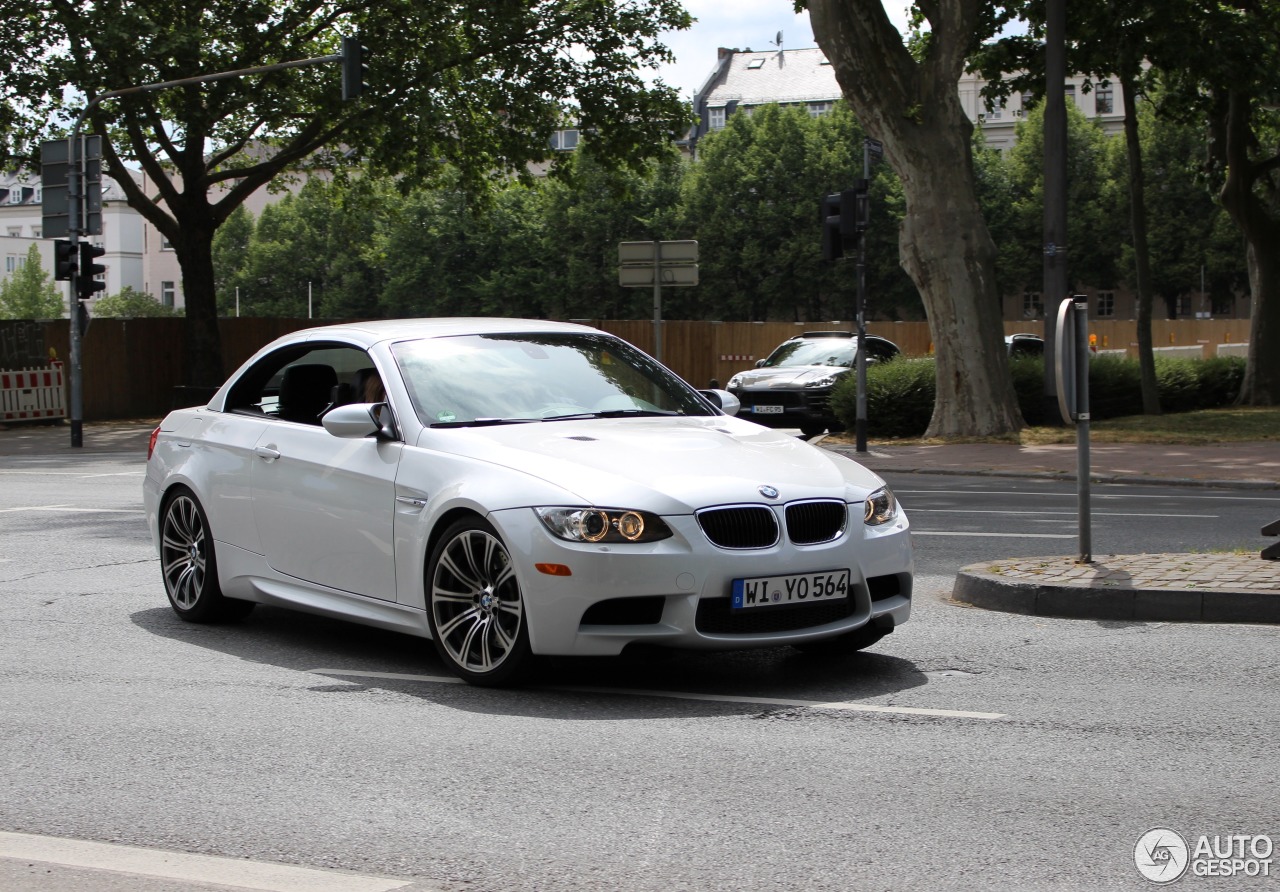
(900, 394)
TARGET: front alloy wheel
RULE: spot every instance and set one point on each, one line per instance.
(477, 612)
(189, 566)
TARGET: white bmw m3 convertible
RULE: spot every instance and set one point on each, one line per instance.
(510, 488)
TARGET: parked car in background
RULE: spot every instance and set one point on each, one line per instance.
(792, 386)
(1024, 344)
(515, 488)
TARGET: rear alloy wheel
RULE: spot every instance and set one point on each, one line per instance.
(189, 566)
(476, 609)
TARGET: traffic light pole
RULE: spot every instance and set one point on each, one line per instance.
(75, 217)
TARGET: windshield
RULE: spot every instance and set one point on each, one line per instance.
(514, 378)
(822, 351)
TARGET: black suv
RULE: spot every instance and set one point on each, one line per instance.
(792, 386)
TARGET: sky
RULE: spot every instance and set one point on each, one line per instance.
(740, 24)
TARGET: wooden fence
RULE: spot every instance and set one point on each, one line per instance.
(135, 368)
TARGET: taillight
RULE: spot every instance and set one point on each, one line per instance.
(151, 444)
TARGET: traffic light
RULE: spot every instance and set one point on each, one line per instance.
(64, 260)
(87, 284)
(844, 217)
(355, 71)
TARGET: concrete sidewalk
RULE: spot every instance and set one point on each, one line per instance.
(1138, 587)
(1145, 587)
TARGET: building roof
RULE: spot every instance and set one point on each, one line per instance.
(758, 78)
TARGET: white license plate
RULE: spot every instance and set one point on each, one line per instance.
(770, 591)
(767, 410)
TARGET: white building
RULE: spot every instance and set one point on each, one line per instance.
(743, 79)
(21, 225)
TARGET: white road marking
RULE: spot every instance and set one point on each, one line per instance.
(684, 695)
(71, 509)
(1021, 514)
(190, 868)
(1041, 494)
(916, 532)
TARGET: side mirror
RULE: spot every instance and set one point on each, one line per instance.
(759, 363)
(356, 421)
(723, 400)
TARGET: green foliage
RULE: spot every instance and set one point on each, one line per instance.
(29, 293)
(129, 303)
(900, 394)
(900, 397)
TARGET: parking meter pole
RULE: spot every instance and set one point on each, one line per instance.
(1081, 320)
(864, 206)
(860, 424)
(657, 301)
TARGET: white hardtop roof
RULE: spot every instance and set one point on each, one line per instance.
(378, 330)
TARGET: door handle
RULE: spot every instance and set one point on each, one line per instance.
(266, 452)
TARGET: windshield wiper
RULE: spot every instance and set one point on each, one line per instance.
(613, 413)
(485, 422)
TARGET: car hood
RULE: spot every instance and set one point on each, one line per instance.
(785, 376)
(665, 465)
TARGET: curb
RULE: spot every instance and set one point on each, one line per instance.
(978, 587)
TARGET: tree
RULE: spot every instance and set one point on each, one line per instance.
(481, 86)
(910, 102)
(29, 293)
(128, 303)
(1233, 80)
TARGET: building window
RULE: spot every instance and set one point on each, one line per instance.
(756, 63)
(165, 244)
(15, 195)
(167, 294)
(11, 263)
(1031, 304)
(15, 231)
(995, 109)
(1102, 103)
(1106, 303)
(1184, 307)
(715, 118)
(818, 109)
(564, 140)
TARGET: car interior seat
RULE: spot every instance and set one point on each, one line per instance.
(305, 392)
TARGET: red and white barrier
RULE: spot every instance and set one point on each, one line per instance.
(30, 394)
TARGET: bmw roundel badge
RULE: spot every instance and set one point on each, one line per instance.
(768, 491)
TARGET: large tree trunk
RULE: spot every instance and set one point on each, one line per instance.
(203, 339)
(914, 108)
(1253, 213)
(1261, 386)
(1141, 252)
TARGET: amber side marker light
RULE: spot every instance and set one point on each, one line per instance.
(553, 569)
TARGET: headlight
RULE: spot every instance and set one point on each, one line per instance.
(603, 524)
(880, 507)
(824, 381)
(734, 383)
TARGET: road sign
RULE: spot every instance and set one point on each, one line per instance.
(54, 204)
(55, 182)
(682, 251)
(669, 276)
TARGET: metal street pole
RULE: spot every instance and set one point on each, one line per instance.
(1084, 511)
(864, 205)
(657, 301)
(75, 218)
(1055, 190)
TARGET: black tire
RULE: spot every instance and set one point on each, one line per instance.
(812, 430)
(475, 607)
(849, 642)
(189, 565)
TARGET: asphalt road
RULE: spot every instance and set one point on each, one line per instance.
(969, 750)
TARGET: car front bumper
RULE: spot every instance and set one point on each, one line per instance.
(675, 592)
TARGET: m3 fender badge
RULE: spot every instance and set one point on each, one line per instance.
(768, 491)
